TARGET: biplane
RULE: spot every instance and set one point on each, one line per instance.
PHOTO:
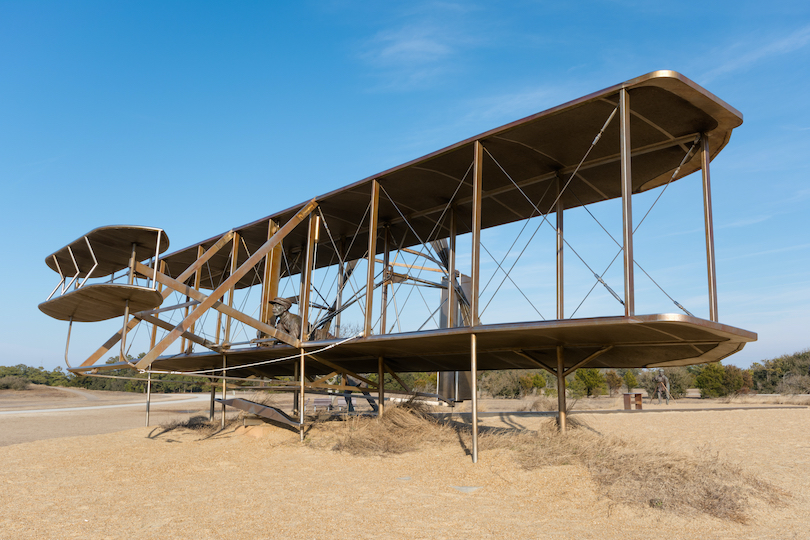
(215, 309)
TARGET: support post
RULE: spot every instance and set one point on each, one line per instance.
(224, 388)
(475, 273)
(148, 393)
(474, 390)
(303, 400)
(384, 295)
(475, 278)
(234, 266)
(153, 336)
(213, 395)
(561, 388)
(627, 203)
(303, 308)
(560, 246)
(341, 278)
(380, 386)
(123, 354)
(452, 299)
(709, 222)
(372, 249)
(272, 271)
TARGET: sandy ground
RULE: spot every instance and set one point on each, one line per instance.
(122, 480)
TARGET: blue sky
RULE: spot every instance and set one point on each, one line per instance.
(200, 116)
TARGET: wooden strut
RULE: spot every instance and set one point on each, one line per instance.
(220, 291)
(222, 308)
(187, 273)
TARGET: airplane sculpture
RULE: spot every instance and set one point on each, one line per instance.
(397, 228)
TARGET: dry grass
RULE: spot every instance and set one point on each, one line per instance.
(784, 399)
(624, 472)
(199, 425)
(632, 474)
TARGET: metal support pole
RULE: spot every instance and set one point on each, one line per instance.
(213, 395)
(384, 295)
(709, 221)
(380, 386)
(153, 337)
(560, 246)
(224, 388)
(234, 266)
(475, 273)
(270, 277)
(341, 279)
(627, 203)
(561, 388)
(123, 354)
(148, 393)
(452, 300)
(372, 249)
(303, 306)
(297, 391)
(303, 402)
(474, 383)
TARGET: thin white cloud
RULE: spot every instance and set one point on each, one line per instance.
(753, 220)
(798, 247)
(797, 40)
(424, 46)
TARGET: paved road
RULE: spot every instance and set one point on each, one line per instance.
(96, 407)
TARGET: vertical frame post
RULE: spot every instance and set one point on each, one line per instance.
(386, 276)
(234, 266)
(560, 246)
(561, 413)
(380, 386)
(372, 249)
(197, 280)
(153, 336)
(148, 393)
(709, 222)
(451, 273)
(627, 203)
(270, 277)
(224, 388)
(341, 278)
(475, 278)
(474, 377)
(475, 273)
(303, 308)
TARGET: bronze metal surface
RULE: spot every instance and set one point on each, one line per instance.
(112, 246)
(100, 301)
(668, 111)
(624, 342)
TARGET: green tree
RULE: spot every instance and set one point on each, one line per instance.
(614, 381)
(588, 381)
(710, 380)
(630, 380)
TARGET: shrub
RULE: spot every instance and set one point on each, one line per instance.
(11, 382)
(767, 375)
(511, 383)
(794, 384)
(710, 381)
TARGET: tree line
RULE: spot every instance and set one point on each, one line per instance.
(787, 374)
